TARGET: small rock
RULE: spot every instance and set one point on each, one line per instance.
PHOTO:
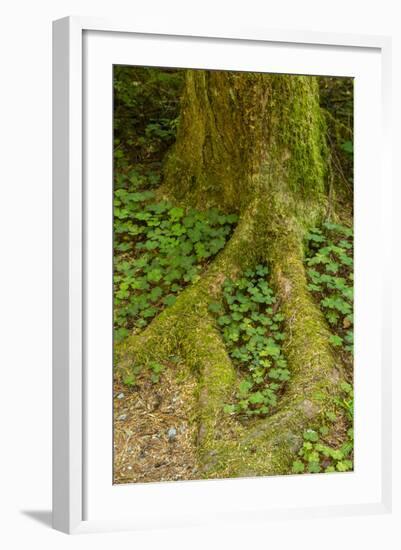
(120, 396)
(122, 417)
(171, 434)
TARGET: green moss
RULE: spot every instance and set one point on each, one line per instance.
(300, 129)
(236, 128)
(206, 354)
(208, 158)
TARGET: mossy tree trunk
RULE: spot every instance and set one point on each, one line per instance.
(243, 135)
(252, 144)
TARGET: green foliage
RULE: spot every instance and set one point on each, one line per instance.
(156, 369)
(130, 378)
(348, 147)
(251, 326)
(316, 454)
(337, 96)
(146, 107)
(311, 435)
(330, 274)
(159, 249)
(329, 262)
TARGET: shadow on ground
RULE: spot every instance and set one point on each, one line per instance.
(41, 516)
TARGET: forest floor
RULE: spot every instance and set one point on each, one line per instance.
(154, 435)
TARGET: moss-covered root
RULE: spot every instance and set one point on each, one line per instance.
(189, 331)
(187, 328)
(315, 372)
(269, 448)
(166, 332)
(204, 351)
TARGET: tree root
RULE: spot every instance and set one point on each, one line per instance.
(186, 328)
(269, 447)
(266, 447)
(169, 330)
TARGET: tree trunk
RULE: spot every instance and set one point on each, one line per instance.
(244, 134)
(252, 144)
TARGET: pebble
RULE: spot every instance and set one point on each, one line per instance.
(171, 434)
(120, 396)
(122, 417)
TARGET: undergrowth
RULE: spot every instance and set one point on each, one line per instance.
(251, 326)
(330, 273)
(324, 450)
(146, 109)
(329, 260)
(159, 249)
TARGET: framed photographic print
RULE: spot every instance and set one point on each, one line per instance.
(219, 327)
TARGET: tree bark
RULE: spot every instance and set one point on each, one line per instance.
(252, 144)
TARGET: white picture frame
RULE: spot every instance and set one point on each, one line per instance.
(72, 245)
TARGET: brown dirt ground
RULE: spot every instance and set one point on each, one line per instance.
(143, 414)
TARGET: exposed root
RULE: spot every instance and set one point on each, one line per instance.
(266, 447)
(271, 445)
(187, 329)
(217, 376)
(169, 330)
